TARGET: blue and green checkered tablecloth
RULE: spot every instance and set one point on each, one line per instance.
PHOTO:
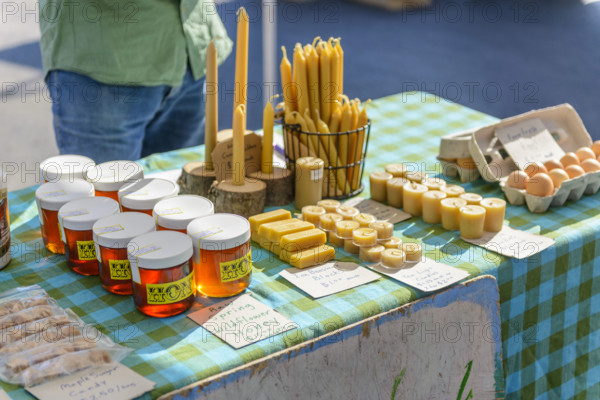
(550, 302)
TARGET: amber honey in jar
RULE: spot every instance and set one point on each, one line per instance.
(112, 234)
(50, 197)
(162, 274)
(142, 196)
(65, 167)
(176, 213)
(110, 176)
(222, 258)
(76, 220)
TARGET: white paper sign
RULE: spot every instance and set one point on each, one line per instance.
(380, 211)
(112, 382)
(529, 141)
(512, 242)
(242, 321)
(3, 395)
(427, 275)
(328, 278)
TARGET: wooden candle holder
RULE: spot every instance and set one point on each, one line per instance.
(280, 186)
(196, 179)
(245, 200)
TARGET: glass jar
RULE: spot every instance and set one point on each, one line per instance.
(110, 176)
(176, 213)
(65, 167)
(162, 274)
(50, 197)
(112, 234)
(4, 224)
(222, 258)
(142, 196)
(76, 220)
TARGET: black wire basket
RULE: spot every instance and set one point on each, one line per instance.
(341, 180)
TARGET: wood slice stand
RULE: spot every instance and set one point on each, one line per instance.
(245, 200)
(196, 179)
(280, 186)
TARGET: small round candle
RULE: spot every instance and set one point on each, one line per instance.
(393, 258)
(432, 209)
(413, 198)
(434, 183)
(371, 254)
(453, 190)
(494, 214)
(412, 251)
(397, 170)
(472, 199)
(364, 219)
(471, 221)
(392, 243)
(344, 229)
(347, 212)
(416, 176)
(395, 191)
(335, 240)
(378, 180)
(350, 247)
(312, 214)
(329, 205)
(327, 221)
(451, 212)
(385, 229)
(364, 237)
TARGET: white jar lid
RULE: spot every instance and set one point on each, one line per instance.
(65, 167)
(81, 214)
(116, 231)
(145, 193)
(177, 212)
(53, 195)
(159, 250)
(219, 231)
(110, 176)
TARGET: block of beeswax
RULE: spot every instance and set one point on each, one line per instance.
(265, 230)
(302, 240)
(309, 257)
(257, 220)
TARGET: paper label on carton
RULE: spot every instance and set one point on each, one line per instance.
(529, 141)
(120, 270)
(86, 250)
(236, 269)
(513, 242)
(379, 210)
(170, 292)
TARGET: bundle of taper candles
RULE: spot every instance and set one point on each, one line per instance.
(314, 100)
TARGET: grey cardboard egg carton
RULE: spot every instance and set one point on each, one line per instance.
(454, 146)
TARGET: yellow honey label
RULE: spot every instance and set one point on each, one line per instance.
(236, 269)
(86, 250)
(120, 270)
(171, 292)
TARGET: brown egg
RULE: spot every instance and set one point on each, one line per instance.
(596, 148)
(590, 165)
(535, 168)
(517, 179)
(569, 159)
(574, 171)
(585, 153)
(553, 164)
(540, 185)
(558, 176)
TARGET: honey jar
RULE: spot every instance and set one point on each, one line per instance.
(142, 196)
(76, 219)
(111, 236)
(161, 272)
(222, 258)
(176, 213)
(110, 176)
(65, 167)
(50, 197)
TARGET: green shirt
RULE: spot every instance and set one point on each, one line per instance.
(131, 42)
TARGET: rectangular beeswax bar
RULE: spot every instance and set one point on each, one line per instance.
(302, 240)
(309, 257)
(257, 220)
(274, 231)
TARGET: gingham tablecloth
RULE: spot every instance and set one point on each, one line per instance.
(549, 302)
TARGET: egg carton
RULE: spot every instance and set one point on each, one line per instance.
(495, 164)
(452, 147)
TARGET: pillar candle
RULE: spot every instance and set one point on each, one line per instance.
(239, 129)
(378, 180)
(326, 96)
(413, 198)
(413, 251)
(453, 190)
(451, 212)
(416, 176)
(471, 221)
(312, 214)
(309, 181)
(494, 214)
(267, 141)
(434, 183)
(345, 228)
(472, 199)
(395, 191)
(328, 220)
(301, 79)
(393, 258)
(432, 209)
(287, 85)
(364, 237)
(397, 170)
(241, 59)
(211, 110)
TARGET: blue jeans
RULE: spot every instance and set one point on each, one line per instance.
(112, 122)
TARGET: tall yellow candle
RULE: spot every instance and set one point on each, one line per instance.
(345, 121)
(267, 142)
(312, 60)
(335, 70)
(363, 119)
(413, 198)
(288, 87)
(211, 111)
(494, 214)
(432, 209)
(334, 120)
(471, 221)
(451, 212)
(241, 59)
(338, 47)
(239, 129)
(301, 79)
(325, 82)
